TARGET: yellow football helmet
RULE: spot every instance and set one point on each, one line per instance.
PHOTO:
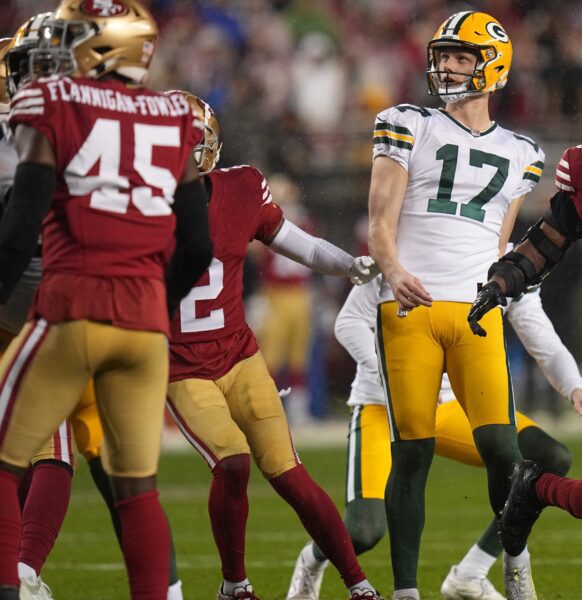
(4, 99)
(92, 38)
(207, 153)
(482, 35)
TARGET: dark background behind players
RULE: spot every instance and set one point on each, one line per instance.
(265, 66)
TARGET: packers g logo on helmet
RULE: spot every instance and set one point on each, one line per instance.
(482, 35)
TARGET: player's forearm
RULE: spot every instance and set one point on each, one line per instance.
(313, 252)
(561, 370)
(31, 197)
(357, 338)
(383, 248)
(542, 247)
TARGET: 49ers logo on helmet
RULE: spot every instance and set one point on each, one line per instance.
(104, 8)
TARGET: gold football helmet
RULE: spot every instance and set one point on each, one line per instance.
(480, 34)
(4, 99)
(207, 153)
(92, 38)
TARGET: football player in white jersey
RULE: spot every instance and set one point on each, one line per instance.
(445, 190)
(369, 457)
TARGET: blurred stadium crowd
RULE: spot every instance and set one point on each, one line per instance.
(296, 85)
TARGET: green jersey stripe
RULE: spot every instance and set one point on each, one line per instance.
(523, 138)
(532, 177)
(382, 126)
(392, 142)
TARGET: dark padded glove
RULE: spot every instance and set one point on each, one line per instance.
(489, 297)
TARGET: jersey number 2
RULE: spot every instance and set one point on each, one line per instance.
(474, 208)
(103, 146)
(190, 323)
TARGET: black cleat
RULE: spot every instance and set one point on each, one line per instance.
(521, 509)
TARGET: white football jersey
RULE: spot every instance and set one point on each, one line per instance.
(460, 185)
(355, 329)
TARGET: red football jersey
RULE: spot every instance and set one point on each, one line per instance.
(209, 333)
(120, 153)
(569, 176)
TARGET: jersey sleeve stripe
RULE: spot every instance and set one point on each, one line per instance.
(563, 186)
(28, 102)
(26, 111)
(268, 200)
(534, 171)
(26, 94)
(394, 135)
(563, 174)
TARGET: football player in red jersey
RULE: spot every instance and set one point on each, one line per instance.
(221, 394)
(45, 491)
(106, 168)
(544, 245)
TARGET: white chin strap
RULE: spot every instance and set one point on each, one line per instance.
(452, 94)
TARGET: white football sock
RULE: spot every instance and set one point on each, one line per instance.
(26, 572)
(228, 587)
(362, 585)
(408, 593)
(521, 560)
(476, 563)
(175, 591)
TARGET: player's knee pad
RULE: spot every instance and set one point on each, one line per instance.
(276, 460)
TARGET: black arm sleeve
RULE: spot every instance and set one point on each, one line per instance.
(32, 193)
(562, 215)
(193, 251)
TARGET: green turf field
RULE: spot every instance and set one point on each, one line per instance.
(86, 563)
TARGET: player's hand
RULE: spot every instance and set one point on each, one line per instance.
(408, 290)
(576, 400)
(489, 297)
(363, 269)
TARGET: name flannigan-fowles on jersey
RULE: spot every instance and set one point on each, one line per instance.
(120, 153)
(460, 185)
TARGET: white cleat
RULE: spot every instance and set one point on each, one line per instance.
(34, 589)
(305, 581)
(519, 584)
(455, 587)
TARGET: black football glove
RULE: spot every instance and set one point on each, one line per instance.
(489, 297)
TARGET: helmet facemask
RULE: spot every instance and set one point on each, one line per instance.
(475, 83)
(207, 153)
(55, 54)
